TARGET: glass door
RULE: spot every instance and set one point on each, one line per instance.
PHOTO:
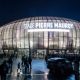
(41, 54)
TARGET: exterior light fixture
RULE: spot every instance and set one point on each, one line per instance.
(47, 30)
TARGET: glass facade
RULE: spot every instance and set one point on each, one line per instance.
(18, 33)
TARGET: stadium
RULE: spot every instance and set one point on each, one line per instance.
(40, 35)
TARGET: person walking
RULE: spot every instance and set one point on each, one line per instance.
(23, 58)
(19, 69)
(10, 61)
(29, 60)
(26, 63)
(3, 70)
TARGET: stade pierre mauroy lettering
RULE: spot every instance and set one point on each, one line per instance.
(48, 25)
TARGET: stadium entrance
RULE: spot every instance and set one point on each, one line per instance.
(39, 53)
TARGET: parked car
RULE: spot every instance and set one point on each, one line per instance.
(59, 66)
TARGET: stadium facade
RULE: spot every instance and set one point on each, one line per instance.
(38, 34)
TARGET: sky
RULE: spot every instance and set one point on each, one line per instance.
(11, 10)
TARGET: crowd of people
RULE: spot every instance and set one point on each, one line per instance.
(6, 66)
(26, 62)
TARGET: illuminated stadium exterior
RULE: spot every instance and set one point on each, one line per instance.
(41, 34)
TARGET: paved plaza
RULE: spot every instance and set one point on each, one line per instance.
(38, 71)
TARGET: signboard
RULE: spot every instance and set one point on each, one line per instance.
(48, 25)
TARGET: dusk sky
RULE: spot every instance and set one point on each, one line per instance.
(11, 10)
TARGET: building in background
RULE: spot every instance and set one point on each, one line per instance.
(39, 34)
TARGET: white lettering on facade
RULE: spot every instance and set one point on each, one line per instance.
(48, 25)
(63, 25)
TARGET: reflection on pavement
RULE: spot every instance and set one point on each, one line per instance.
(39, 71)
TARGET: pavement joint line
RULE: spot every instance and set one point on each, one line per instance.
(30, 74)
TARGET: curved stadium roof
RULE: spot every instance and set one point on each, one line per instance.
(43, 19)
(16, 32)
